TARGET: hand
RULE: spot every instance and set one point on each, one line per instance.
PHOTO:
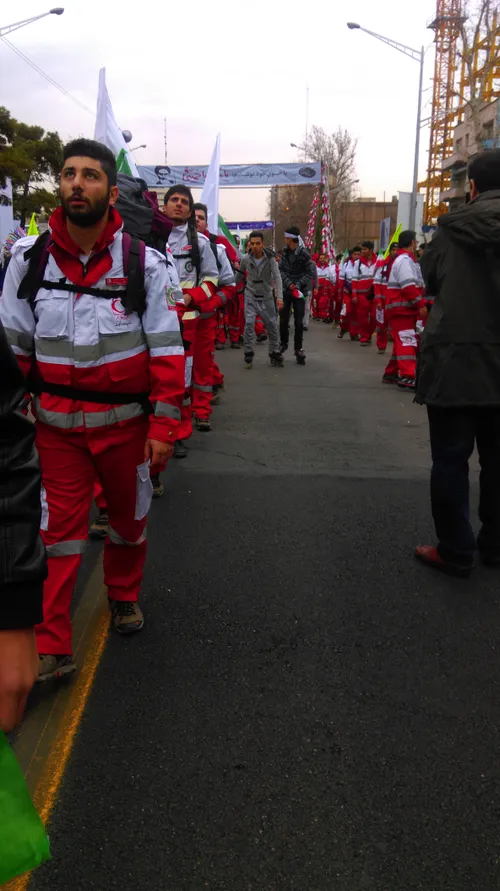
(187, 299)
(423, 313)
(158, 452)
(18, 673)
(280, 304)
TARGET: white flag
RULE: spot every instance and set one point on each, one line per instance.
(108, 131)
(210, 193)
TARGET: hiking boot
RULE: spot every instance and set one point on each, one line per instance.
(261, 338)
(126, 616)
(276, 360)
(236, 346)
(100, 527)
(51, 667)
(180, 449)
(157, 485)
(203, 425)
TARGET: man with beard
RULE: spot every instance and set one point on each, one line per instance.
(106, 360)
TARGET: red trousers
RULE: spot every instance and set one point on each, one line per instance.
(366, 318)
(69, 464)
(236, 317)
(189, 333)
(324, 300)
(349, 318)
(221, 335)
(337, 306)
(403, 361)
(203, 368)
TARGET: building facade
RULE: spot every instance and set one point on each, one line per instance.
(476, 133)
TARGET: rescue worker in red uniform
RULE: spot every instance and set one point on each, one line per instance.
(198, 274)
(324, 295)
(362, 292)
(206, 373)
(109, 382)
(405, 306)
(348, 313)
(380, 279)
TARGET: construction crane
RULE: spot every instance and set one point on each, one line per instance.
(461, 73)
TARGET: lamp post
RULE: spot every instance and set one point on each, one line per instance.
(134, 149)
(8, 29)
(417, 56)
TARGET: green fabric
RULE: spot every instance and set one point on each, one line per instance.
(23, 840)
(223, 230)
(122, 164)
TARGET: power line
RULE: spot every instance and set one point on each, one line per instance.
(48, 77)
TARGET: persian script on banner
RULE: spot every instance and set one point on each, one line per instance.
(235, 175)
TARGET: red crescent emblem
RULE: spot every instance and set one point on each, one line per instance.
(117, 307)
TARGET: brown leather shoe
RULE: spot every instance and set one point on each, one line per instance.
(429, 555)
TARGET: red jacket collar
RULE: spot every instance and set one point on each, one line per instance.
(62, 238)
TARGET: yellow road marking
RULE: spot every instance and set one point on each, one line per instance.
(63, 737)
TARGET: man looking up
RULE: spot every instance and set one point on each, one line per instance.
(100, 353)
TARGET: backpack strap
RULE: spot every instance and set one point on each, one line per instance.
(195, 248)
(37, 256)
(213, 245)
(134, 267)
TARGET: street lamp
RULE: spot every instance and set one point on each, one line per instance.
(134, 149)
(417, 56)
(8, 29)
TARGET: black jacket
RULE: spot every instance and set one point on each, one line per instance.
(459, 362)
(296, 268)
(22, 554)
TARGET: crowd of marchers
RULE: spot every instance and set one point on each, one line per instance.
(113, 316)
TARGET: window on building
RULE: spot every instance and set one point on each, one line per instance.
(458, 145)
(488, 130)
(467, 139)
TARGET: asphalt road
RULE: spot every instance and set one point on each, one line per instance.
(308, 708)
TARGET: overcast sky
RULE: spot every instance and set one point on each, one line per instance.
(231, 67)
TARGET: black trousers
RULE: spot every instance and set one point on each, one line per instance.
(453, 433)
(299, 307)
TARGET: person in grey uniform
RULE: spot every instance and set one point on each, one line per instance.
(261, 274)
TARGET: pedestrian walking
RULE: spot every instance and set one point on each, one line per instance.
(459, 372)
(259, 270)
(297, 273)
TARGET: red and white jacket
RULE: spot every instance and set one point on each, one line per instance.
(405, 288)
(89, 343)
(345, 278)
(327, 274)
(362, 276)
(203, 290)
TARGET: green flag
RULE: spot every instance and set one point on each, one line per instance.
(122, 164)
(223, 230)
(394, 240)
(33, 228)
(23, 840)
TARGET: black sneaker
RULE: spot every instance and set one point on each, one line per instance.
(341, 334)
(180, 449)
(100, 527)
(276, 360)
(157, 486)
(300, 356)
(248, 359)
(390, 379)
(203, 425)
(261, 338)
(283, 348)
(406, 383)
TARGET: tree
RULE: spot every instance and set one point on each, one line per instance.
(337, 151)
(479, 53)
(32, 159)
